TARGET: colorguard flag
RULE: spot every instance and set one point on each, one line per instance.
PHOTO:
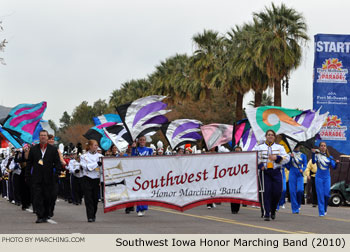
(107, 120)
(105, 137)
(143, 115)
(216, 134)
(248, 140)
(243, 136)
(10, 138)
(119, 136)
(182, 131)
(104, 131)
(296, 125)
(100, 136)
(23, 119)
(277, 119)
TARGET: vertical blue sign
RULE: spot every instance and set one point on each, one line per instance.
(331, 88)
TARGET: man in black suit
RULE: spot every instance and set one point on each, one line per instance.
(42, 166)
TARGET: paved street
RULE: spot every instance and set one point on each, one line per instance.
(70, 219)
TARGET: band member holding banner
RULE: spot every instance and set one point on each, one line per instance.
(323, 178)
(271, 157)
(296, 167)
(141, 150)
(91, 164)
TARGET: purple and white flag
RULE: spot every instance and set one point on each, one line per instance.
(143, 115)
(182, 131)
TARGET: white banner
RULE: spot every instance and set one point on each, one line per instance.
(180, 182)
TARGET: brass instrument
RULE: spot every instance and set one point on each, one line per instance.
(110, 180)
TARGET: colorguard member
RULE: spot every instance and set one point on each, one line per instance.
(324, 162)
(296, 167)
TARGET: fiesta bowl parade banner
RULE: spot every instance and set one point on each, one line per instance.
(331, 88)
(180, 182)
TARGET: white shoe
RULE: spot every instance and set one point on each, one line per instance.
(283, 207)
(209, 207)
(13, 202)
(325, 213)
(140, 214)
(214, 205)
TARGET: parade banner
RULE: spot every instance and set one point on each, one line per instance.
(180, 182)
(331, 88)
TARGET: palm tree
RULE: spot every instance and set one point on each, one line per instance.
(205, 64)
(277, 47)
(242, 39)
(130, 91)
(171, 78)
(266, 100)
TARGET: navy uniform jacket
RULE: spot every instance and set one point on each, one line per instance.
(43, 173)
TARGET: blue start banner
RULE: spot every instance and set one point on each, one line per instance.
(331, 88)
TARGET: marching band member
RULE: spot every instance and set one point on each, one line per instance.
(296, 167)
(310, 172)
(5, 177)
(16, 182)
(160, 149)
(271, 157)
(141, 150)
(324, 162)
(91, 163)
(114, 151)
(76, 170)
(9, 165)
(25, 190)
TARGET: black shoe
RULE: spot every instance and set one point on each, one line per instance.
(273, 216)
(129, 209)
(41, 220)
(266, 218)
(313, 205)
(90, 220)
(234, 212)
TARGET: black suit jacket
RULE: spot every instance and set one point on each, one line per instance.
(47, 172)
